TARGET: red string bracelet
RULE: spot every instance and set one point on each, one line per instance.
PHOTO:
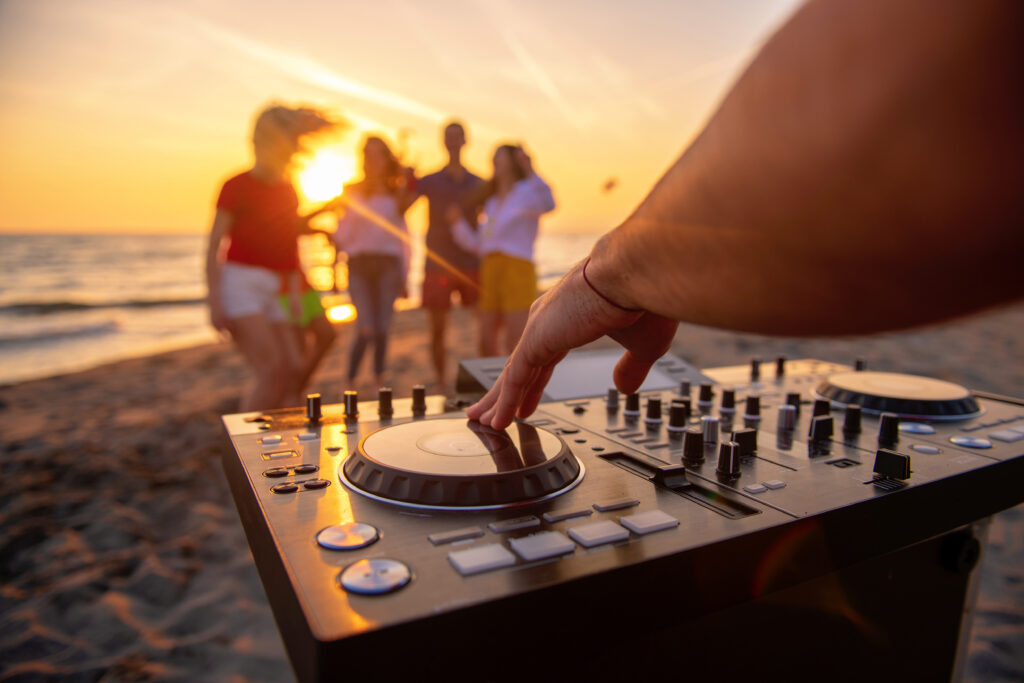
(594, 290)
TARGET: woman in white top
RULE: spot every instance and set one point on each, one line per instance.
(373, 233)
(515, 199)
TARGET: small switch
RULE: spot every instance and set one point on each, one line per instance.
(892, 464)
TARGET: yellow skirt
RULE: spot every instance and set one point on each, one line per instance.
(507, 283)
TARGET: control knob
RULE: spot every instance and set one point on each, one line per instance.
(793, 399)
(705, 397)
(822, 428)
(752, 413)
(746, 439)
(729, 460)
(384, 407)
(693, 446)
(787, 418)
(889, 429)
(780, 366)
(313, 411)
(653, 411)
(710, 427)
(632, 405)
(728, 403)
(612, 401)
(678, 415)
(821, 407)
(419, 400)
(350, 403)
(851, 420)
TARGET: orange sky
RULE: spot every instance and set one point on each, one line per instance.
(126, 115)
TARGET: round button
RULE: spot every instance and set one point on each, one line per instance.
(305, 469)
(597, 449)
(316, 484)
(276, 472)
(348, 536)
(916, 428)
(374, 577)
(285, 488)
(924, 448)
(970, 441)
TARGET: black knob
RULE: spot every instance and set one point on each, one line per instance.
(889, 429)
(822, 428)
(313, 413)
(653, 410)
(613, 399)
(787, 418)
(678, 414)
(705, 395)
(851, 419)
(892, 465)
(821, 407)
(860, 365)
(793, 399)
(746, 439)
(693, 445)
(684, 388)
(728, 400)
(755, 369)
(780, 366)
(419, 399)
(753, 407)
(350, 402)
(384, 407)
(729, 460)
(632, 404)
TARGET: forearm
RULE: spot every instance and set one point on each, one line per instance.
(859, 176)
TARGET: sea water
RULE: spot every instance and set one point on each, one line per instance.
(70, 302)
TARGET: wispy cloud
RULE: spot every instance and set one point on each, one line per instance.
(309, 71)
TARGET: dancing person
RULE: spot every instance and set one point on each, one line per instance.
(314, 333)
(257, 217)
(373, 234)
(448, 268)
(515, 199)
(863, 174)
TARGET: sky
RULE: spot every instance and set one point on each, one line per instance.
(128, 115)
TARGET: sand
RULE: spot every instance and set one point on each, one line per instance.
(122, 556)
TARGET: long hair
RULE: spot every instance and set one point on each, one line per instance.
(393, 175)
(490, 188)
(290, 123)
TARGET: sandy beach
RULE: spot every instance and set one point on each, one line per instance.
(122, 556)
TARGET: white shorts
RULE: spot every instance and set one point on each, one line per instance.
(248, 290)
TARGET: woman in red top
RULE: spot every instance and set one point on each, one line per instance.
(257, 212)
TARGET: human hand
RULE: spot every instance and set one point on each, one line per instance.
(524, 161)
(567, 316)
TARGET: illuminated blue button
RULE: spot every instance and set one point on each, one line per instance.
(376, 576)
(916, 428)
(970, 441)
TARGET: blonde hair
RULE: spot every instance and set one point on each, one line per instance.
(291, 124)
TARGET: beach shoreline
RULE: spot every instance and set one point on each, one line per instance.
(123, 557)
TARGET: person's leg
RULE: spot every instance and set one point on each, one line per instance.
(259, 345)
(293, 363)
(490, 324)
(515, 323)
(389, 286)
(323, 337)
(361, 292)
(438, 351)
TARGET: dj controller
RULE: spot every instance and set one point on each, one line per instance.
(793, 518)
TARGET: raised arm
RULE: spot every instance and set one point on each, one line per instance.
(863, 174)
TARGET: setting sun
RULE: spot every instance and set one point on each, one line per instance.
(324, 174)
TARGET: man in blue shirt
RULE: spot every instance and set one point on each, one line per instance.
(448, 267)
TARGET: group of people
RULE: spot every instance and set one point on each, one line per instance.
(479, 245)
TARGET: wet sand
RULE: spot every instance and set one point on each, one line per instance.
(122, 556)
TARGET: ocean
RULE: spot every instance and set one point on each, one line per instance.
(71, 302)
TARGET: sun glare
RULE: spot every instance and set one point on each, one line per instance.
(323, 175)
(341, 314)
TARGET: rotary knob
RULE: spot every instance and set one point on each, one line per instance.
(705, 397)
(632, 405)
(678, 414)
(693, 446)
(653, 411)
(612, 400)
(889, 429)
(384, 407)
(780, 366)
(684, 388)
(729, 460)
(793, 399)
(728, 402)
(787, 418)
(419, 400)
(350, 402)
(851, 420)
(313, 409)
(755, 369)
(753, 409)
(746, 439)
(821, 407)
(709, 425)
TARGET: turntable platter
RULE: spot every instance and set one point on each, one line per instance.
(458, 464)
(909, 396)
